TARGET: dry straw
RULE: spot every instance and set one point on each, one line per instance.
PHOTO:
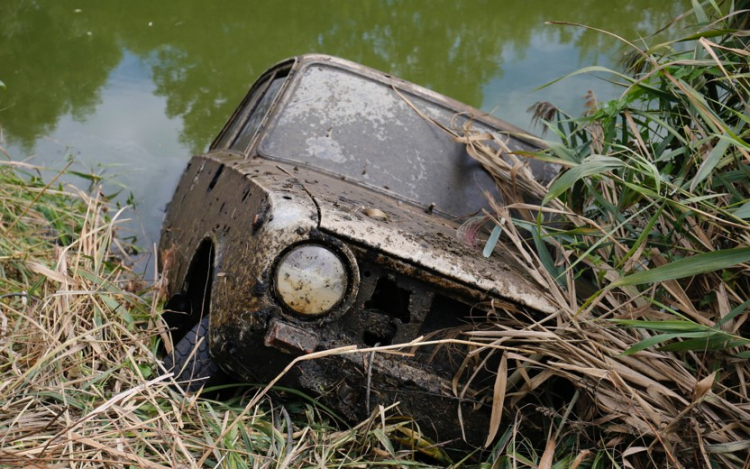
(79, 384)
(647, 256)
(646, 261)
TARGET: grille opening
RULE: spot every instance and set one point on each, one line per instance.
(391, 300)
(378, 328)
(445, 313)
(371, 339)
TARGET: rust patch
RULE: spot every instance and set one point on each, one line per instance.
(289, 338)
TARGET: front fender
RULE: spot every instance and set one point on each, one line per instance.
(251, 211)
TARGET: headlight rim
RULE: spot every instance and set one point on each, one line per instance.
(349, 263)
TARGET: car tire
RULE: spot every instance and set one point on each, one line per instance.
(191, 360)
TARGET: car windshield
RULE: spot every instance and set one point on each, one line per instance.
(349, 125)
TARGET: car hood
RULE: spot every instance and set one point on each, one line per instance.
(411, 234)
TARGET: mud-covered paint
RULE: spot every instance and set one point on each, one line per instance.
(426, 240)
(407, 275)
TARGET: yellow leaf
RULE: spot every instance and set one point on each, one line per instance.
(497, 399)
(579, 459)
(548, 456)
(703, 386)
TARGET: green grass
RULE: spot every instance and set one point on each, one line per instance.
(651, 213)
(645, 364)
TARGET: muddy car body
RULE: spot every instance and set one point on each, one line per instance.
(325, 215)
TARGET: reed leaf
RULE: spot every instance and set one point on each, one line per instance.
(591, 166)
(688, 267)
(650, 222)
(743, 211)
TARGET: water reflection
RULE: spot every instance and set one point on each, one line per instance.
(50, 67)
(146, 83)
(57, 56)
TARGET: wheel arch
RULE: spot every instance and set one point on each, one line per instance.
(192, 301)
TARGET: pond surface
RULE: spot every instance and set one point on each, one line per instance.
(133, 89)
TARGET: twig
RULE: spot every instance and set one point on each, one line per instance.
(369, 380)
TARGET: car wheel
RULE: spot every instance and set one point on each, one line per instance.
(191, 361)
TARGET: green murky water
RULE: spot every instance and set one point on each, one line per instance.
(135, 87)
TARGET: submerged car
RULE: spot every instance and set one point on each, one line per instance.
(324, 215)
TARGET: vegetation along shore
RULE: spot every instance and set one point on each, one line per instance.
(646, 363)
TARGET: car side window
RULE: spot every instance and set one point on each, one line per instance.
(253, 123)
(241, 116)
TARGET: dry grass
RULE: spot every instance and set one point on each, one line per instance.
(657, 355)
(78, 380)
(647, 260)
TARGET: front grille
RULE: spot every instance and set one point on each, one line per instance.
(397, 303)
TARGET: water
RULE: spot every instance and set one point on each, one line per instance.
(133, 89)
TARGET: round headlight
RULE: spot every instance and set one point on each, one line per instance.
(311, 279)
